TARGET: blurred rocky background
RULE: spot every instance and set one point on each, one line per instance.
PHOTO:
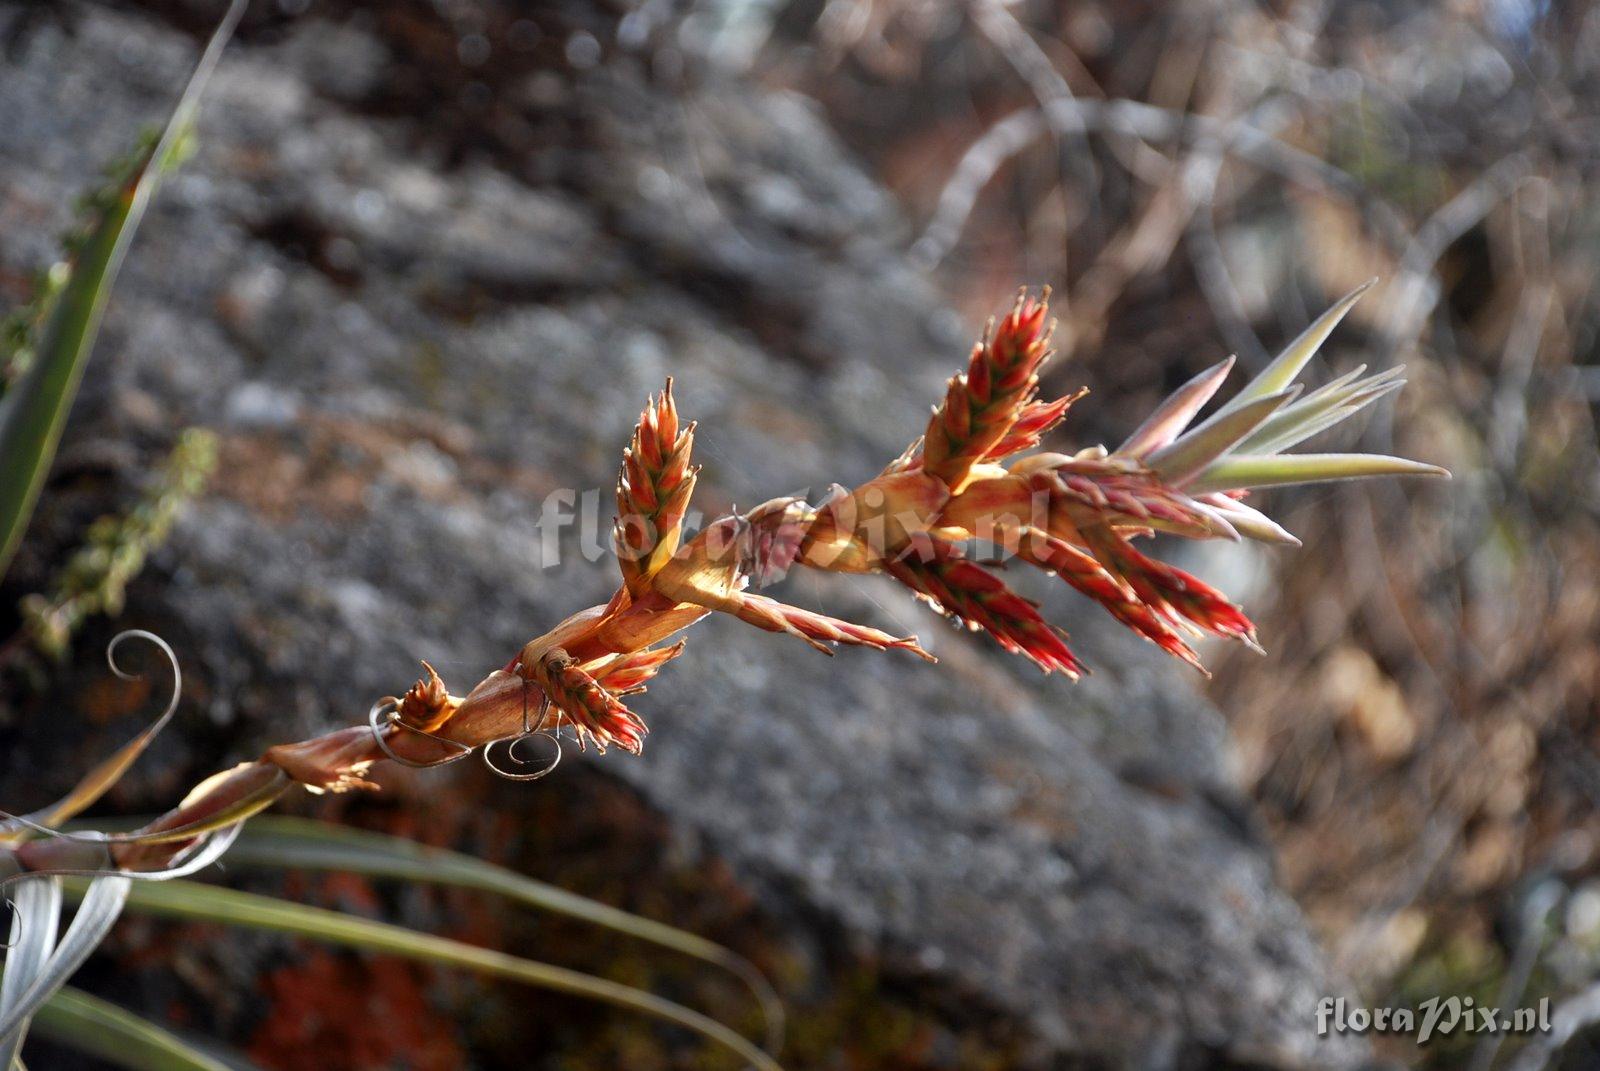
(429, 259)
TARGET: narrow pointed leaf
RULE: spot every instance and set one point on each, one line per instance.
(1329, 396)
(1218, 523)
(98, 1028)
(1339, 382)
(1174, 414)
(1300, 431)
(1349, 387)
(1243, 471)
(33, 411)
(96, 914)
(1282, 371)
(1296, 423)
(1249, 521)
(277, 841)
(1214, 438)
(226, 820)
(35, 918)
(210, 903)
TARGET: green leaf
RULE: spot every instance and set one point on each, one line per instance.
(34, 410)
(1204, 444)
(210, 903)
(296, 842)
(90, 1025)
(1282, 371)
(1239, 472)
(1320, 410)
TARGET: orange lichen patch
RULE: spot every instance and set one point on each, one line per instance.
(331, 1012)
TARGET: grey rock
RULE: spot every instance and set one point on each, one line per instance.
(405, 359)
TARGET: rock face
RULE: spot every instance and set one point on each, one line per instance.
(408, 348)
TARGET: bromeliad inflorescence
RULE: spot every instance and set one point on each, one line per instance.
(971, 479)
(962, 483)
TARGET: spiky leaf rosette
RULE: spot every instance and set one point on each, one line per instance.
(653, 491)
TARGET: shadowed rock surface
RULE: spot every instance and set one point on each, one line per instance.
(407, 345)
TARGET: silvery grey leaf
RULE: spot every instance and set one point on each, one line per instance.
(36, 916)
(95, 916)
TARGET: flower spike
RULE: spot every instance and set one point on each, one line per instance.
(597, 714)
(653, 490)
(983, 404)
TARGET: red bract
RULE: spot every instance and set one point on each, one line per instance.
(971, 595)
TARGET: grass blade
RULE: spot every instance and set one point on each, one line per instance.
(210, 903)
(34, 410)
(297, 842)
(90, 1025)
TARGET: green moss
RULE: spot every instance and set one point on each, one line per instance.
(95, 579)
(19, 331)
